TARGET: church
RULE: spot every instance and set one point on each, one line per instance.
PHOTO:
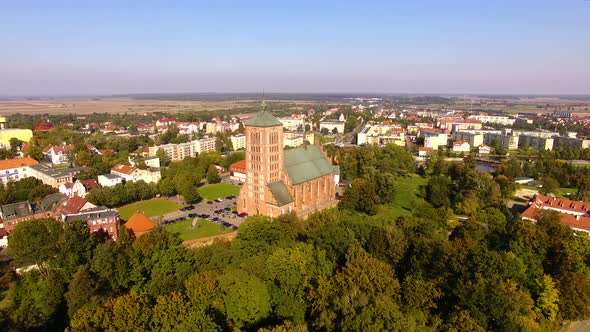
(281, 181)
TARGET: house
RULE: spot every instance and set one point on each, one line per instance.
(423, 151)
(124, 171)
(12, 214)
(333, 125)
(74, 205)
(139, 224)
(100, 220)
(165, 122)
(574, 214)
(484, 149)
(42, 127)
(15, 169)
(523, 180)
(461, 146)
(52, 176)
(78, 188)
(153, 161)
(237, 171)
(109, 180)
(3, 237)
(57, 154)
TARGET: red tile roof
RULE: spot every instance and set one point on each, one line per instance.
(139, 224)
(90, 184)
(573, 213)
(43, 127)
(239, 166)
(74, 205)
(17, 162)
(123, 169)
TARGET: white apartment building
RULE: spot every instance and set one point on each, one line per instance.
(291, 123)
(238, 141)
(502, 120)
(183, 150)
(330, 125)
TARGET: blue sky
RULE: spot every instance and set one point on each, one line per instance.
(105, 47)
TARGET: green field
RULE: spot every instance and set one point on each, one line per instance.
(218, 190)
(203, 229)
(152, 207)
(406, 197)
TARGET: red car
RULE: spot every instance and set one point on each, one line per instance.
(243, 215)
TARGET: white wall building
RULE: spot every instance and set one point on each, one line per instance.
(109, 180)
(291, 123)
(238, 141)
(330, 125)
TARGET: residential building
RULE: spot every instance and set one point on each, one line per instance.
(331, 125)
(15, 169)
(24, 135)
(165, 122)
(52, 176)
(100, 220)
(139, 224)
(571, 142)
(461, 146)
(574, 214)
(237, 171)
(293, 140)
(238, 142)
(57, 154)
(124, 171)
(441, 137)
(423, 151)
(279, 181)
(509, 142)
(484, 149)
(74, 205)
(183, 150)
(431, 142)
(130, 173)
(109, 180)
(12, 214)
(292, 123)
(474, 139)
(502, 120)
(535, 142)
(78, 187)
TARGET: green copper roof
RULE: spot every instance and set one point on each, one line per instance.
(280, 193)
(263, 119)
(306, 163)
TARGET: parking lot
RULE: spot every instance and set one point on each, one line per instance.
(218, 211)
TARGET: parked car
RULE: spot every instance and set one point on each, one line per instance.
(243, 215)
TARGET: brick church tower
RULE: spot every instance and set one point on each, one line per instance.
(264, 162)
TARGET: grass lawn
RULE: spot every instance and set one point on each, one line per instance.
(218, 190)
(563, 191)
(152, 207)
(203, 229)
(406, 197)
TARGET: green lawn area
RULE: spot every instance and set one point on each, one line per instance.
(218, 190)
(203, 229)
(152, 207)
(563, 191)
(406, 197)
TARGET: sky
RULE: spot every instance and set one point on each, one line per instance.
(466, 47)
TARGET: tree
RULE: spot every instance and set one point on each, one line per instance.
(36, 241)
(83, 158)
(81, 290)
(548, 298)
(438, 191)
(245, 297)
(324, 131)
(213, 174)
(360, 196)
(583, 186)
(15, 144)
(35, 152)
(335, 131)
(190, 193)
(574, 303)
(164, 159)
(550, 185)
(166, 187)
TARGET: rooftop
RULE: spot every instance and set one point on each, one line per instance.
(306, 163)
(17, 162)
(280, 193)
(139, 223)
(263, 119)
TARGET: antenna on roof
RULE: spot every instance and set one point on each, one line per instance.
(263, 103)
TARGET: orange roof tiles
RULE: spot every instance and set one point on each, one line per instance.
(239, 166)
(573, 213)
(123, 169)
(17, 162)
(74, 205)
(139, 224)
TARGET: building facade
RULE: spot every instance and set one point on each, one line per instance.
(277, 181)
(16, 169)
